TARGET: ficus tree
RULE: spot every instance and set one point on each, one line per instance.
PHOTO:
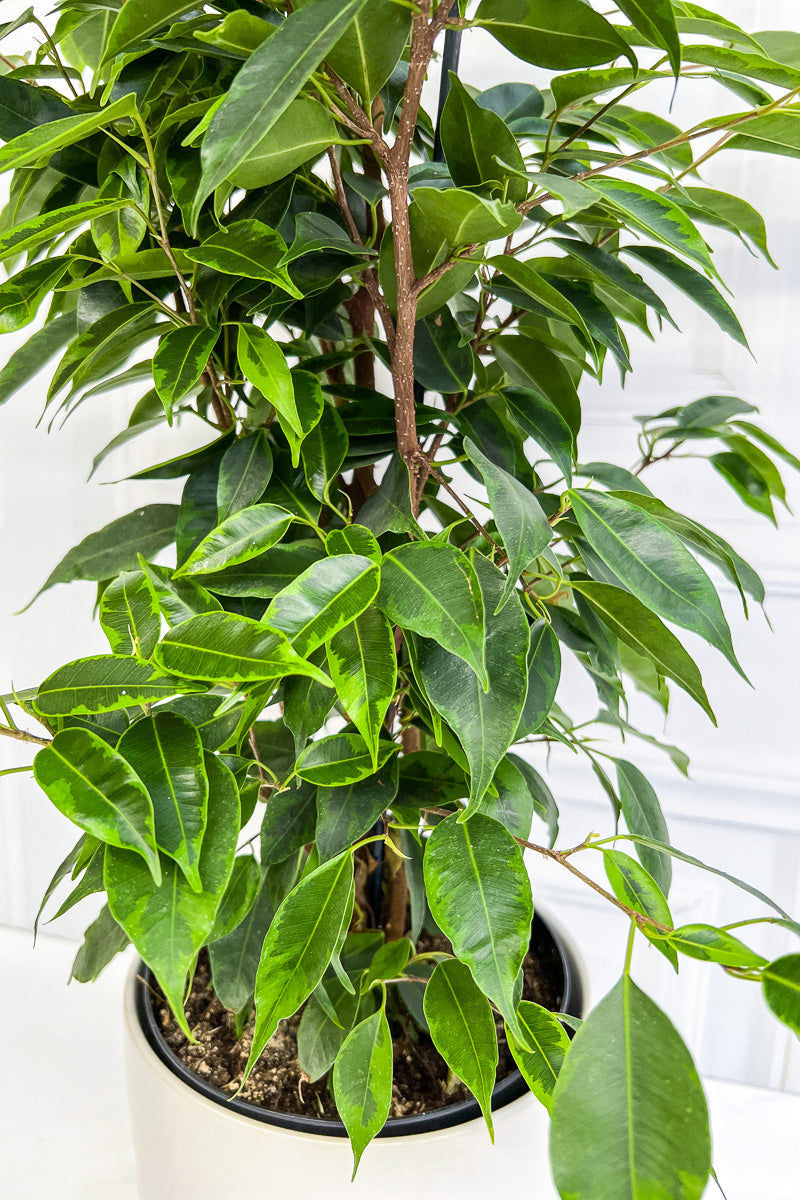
(331, 685)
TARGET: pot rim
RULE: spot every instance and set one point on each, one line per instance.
(505, 1092)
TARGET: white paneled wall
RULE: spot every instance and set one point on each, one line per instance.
(741, 808)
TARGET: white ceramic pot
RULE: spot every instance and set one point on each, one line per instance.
(189, 1145)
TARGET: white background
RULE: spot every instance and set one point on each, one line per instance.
(740, 810)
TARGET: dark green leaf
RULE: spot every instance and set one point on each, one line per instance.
(540, 420)
(234, 959)
(363, 667)
(571, 35)
(302, 133)
(244, 473)
(643, 816)
(319, 1038)
(344, 814)
(179, 361)
(102, 941)
(362, 1081)
(695, 286)
(462, 1029)
(241, 894)
(289, 822)
(544, 672)
(479, 147)
(323, 451)
(26, 362)
(367, 53)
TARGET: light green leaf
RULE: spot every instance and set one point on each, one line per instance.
(781, 986)
(695, 286)
(240, 32)
(298, 947)
(480, 897)
(94, 786)
(571, 35)
(325, 598)
(240, 896)
(656, 215)
(166, 753)
(181, 358)
(433, 591)
(363, 667)
(344, 814)
(709, 944)
(323, 451)
(362, 1081)
(262, 362)
(247, 249)
(644, 1132)
(463, 1031)
(49, 226)
(635, 886)
(367, 53)
(140, 19)
(265, 87)
(38, 145)
(169, 924)
(353, 539)
(242, 536)
(341, 759)
(129, 614)
(218, 646)
(21, 295)
(178, 599)
(301, 134)
(462, 218)
(518, 515)
(541, 1057)
(104, 683)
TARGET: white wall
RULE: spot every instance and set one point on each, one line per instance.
(739, 810)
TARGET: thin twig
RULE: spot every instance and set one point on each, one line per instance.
(20, 735)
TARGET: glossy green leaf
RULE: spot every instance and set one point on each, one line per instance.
(242, 536)
(463, 218)
(652, 562)
(523, 526)
(166, 753)
(656, 20)
(319, 1037)
(635, 886)
(225, 646)
(389, 509)
(433, 591)
(265, 87)
(540, 420)
(323, 599)
(644, 1132)
(613, 270)
(311, 408)
(169, 924)
(26, 362)
(633, 623)
(344, 814)
(129, 614)
(241, 894)
(367, 53)
(362, 1081)
(301, 134)
(480, 148)
(244, 472)
(531, 365)
(181, 358)
(353, 539)
(363, 667)
(104, 939)
(178, 599)
(323, 452)
(773, 133)
(571, 35)
(21, 295)
(44, 227)
(781, 986)
(463, 1031)
(485, 722)
(240, 32)
(289, 821)
(249, 250)
(441, 362)
(138, 20)
(709, 944)
(115, 547)
(341, 759)
(544, 673)
(298, 947)
(695, 286)
(525, 276)
(95, 787)
(541, 1057)
(104, 683)
(654, 214)
(728, 212)
(643, 815)
(513, 805)
(262, 362)
(480, 897)
(38, 145)
(234, 959)
(388, 962)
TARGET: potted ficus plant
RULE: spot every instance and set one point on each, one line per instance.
(308, 767)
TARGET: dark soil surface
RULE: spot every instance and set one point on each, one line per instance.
(277, 1082)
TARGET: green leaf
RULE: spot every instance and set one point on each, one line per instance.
(541, 1057)
(656, 215)
(21, 295)
(635, 886)
(102, 941)
(48, 226)
(249, 250)
(239, 32)
(262, 362)
(115, 547)
(532, 365)
(140, 19)
(341, 759)
(362, 1081)
(104, 683)
(38, 145)
(319, 1038)
(93, 785)
(323, 451)
(695, 286)
(344, 814)
(441, 362)
(609, 267)
(221, 645)
(540, 420)
(462, 218)
(388, 961)
(181, 358)
(234, 958)
(544, 804)
(781, 986)
(714, 945)
(289, 822)
(463, 1031)
(323, 599)
(242, 536)
(485, 722)
(178, 599)
(728, 212)
(656, 20)
(480, 897)
(300, 943)
(633, 623)
(544, 673)
(513, 804)
(244, 472)
(353, 539)
(652, 562)
(480, 148)
(643, 816)
(240, 896)
(433, 591)
(746, 480)
(363, 667)
(531, 282)
(265, 87)
(367, 53)
(26, 362)
(301, 134)
(306, 704)
(518, 515)
(571, 35)
(644, 1132)
(389, 510)
(169, 924)
(166, 753)
(129, 614)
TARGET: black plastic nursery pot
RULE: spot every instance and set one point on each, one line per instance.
(550, 948)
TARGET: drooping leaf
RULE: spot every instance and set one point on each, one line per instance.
(544, 672)
(781, 985)
(367, 53)
(247, 249)
(44, 227)
(319, 1037)
(480, 148)
(263, 363)
(463, 1031)
(656, 20)
(362, 1081)
(166, 753)
(363, 667)
(323, 451)
(240, 896)
(94, 786)
(225, 646)
(656, 215)
(138, 20)
(637, 888)
(38, 145)
(541, 1057)
(234, 958)
(179, 361)
(242, 536)
(288, 824)
(695, 286)
(21, 295)
(34, 354)
(480, 897)
(643, 815)
(540, 420)
(104, 939)
(709, 944)
(323, 599)
(645, 1131)
(244, 472)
